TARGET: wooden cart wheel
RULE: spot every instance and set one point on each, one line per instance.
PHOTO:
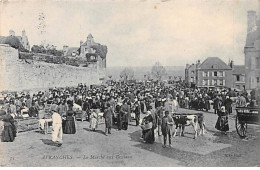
(241, 128)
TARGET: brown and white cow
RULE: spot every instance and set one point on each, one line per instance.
(183, 119)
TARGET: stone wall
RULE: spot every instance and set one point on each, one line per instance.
(19, 74)
(9, 78)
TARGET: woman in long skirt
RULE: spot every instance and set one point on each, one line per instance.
(70, 121)
(147, 127)
(9, 130)
(222, 122)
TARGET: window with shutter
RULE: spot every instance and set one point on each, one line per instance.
(224, 82)
(206, 74)
(208, 83)
(203, 74)
(218, 83)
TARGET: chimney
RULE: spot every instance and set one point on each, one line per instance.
(258, 19)
(231, 64)
(198, 63)
(251, 20)
(65, 49)
(23, 33)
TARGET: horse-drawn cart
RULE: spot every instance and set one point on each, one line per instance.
(245, 116)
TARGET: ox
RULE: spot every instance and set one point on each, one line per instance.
(182, 120)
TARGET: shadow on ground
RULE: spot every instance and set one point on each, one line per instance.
(157, 148)
(96, 131)
(50, 142)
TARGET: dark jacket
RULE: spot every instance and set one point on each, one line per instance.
(108, 117)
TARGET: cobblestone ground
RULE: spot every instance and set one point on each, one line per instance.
(125, 148)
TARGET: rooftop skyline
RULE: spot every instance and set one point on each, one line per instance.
(137, 33)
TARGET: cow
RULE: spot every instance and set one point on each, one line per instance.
(184, 119)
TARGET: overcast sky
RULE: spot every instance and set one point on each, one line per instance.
(138, 33)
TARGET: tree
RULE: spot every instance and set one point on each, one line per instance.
(38, 49)
(148, 75)
(13, 42)
(101, 50)
(51, 50)
(158, 71)
(48, 49)
(127, 74)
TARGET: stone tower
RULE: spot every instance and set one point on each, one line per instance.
(251, 20)
(11, 33)
(90, 39)
(252, 51)
(25, 41)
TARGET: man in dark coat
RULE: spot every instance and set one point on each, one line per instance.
(207, 104)
(125, 111)
(137, 111)
(228, 105)
(167, 128)
(33, 111)
(108, 118)
(159, 113)
(217, 104)
(119, 116)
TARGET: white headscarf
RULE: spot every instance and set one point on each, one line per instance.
(223, 109)
(148, 113)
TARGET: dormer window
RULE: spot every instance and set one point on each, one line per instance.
(214, 66)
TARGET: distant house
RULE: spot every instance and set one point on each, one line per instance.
(238, 74)
(70, 51)
(214, 72)
(86, 47)
(190, 74)
(23, 39)
(86, 50)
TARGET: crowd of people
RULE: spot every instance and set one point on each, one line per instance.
(119, 103)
